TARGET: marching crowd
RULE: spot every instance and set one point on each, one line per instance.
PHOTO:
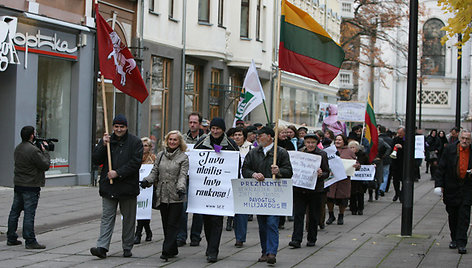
(119, 184)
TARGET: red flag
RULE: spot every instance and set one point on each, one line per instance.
(117, 62)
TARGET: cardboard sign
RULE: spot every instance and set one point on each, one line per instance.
(305, 167)
(349, 166)
(365, 173)
(268, 197)
(210, 175)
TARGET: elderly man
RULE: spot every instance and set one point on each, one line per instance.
(118, 185)
(258, 164)
(453, 178)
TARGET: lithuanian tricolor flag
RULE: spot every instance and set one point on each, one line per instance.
(306, 48)
(371, 133)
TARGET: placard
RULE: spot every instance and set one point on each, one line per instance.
(305, 167)
(338, 173)
(268, 197)
(144, 199)
(419, 147)
(349, 166)
(351, 111)
(365, 173)
(210, 175)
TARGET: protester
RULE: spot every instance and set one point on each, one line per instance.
(332, 123)
(30, 164)
(322, 217)
(304, 199)
(340, 192)
(453, 178)
(285, 142)
(397, 163)
(194, 133)
(453, 135)
(433, 145)
(170, 176)
(258, 164)
(442, 142)
(328, 138)
(302, 131)
(205, 126)
(251, 135)
(148, 158)
(213, 224)
(358, 188)
(126, 155)
(240, 123)
(386, 160)
(292, 135)
(258, 125)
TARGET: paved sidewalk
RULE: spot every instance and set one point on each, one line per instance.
(68, 220)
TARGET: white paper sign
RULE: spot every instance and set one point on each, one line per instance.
(365, 173)
(351, 111)
(305, 167)
(349, 166)
(419, 147)
(336, 165)
(144, 200)
(269, 197)
(210, 175)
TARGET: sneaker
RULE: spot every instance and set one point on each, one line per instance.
(194, 243)
(35, 246)
(14, 243)
(294, 244)
(127, 253)
(271, 259)
(99, 252)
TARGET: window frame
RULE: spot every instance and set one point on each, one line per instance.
(207, 19)
(246, 5)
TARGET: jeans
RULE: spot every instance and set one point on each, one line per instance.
(28, 202)
(301, 201)
(268, 233)
(386, 170)
(195, 230)
(240, 227)
(128, 211)
(170, 215)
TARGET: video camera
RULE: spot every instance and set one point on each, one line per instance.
(50, 145)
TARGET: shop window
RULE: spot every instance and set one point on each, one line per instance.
(434, 53)
(298, 106)
(215, 91)
(160, 85)
(53, 109)
(193, 81)
(220, 12)
(244, 29)
(204, 11)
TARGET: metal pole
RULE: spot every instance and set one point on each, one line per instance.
(182, 78)
(421, 100)
(458, 85)
(409, 146)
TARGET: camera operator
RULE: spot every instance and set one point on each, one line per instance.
(30, 164)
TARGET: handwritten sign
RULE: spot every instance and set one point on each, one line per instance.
(351, 111)
(336, 165)
(144, 201)
(268, 197)
(349, 166)
(305, 167)
(365, 173)
(419, 147)
(210, 175)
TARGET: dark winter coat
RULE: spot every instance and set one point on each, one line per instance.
(30, 165)
(397, 164)
(257, 162)
(387, 160)
(126, 157)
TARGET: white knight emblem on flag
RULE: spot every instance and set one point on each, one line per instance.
(119, 59)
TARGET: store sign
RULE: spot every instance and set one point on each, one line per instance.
(32, 39)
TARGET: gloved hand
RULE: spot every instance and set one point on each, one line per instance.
(181, 194)
(144, 184)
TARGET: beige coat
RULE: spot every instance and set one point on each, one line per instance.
(172, 170)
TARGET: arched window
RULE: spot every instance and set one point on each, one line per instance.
(434, 53)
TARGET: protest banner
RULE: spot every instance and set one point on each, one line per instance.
(268, 197)
(305, 167)
(323, 112)
(144, 200)
(351, 111)
(419, 147)
(336, 165)
(210, 175)
(365, 173)
(349, 166)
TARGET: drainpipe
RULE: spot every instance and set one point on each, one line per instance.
(182, 82)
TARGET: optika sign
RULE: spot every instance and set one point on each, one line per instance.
(24, 41)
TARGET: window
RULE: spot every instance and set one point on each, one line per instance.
(220, 12)
(160, 85)
(151, 5)
(53, 109)
(434, 53)
(204, 11)
(171, 9)
(258, 20)
(244, 31)
(193, 81)
(215, 90)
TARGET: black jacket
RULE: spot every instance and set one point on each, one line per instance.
(397, 164)
(126, 157)
(456, 190)
(387, 160)
(30, 165)
(319, 187)
(256, 162)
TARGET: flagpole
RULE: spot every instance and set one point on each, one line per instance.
(277, 112)
(105, 115)
(265, 109)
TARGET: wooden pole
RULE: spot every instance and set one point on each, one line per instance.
(277, 112)
(105, 115)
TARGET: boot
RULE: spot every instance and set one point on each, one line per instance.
(148, 235)
(331, 218)
(137, 239)
(340, 219)
(229, 224)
